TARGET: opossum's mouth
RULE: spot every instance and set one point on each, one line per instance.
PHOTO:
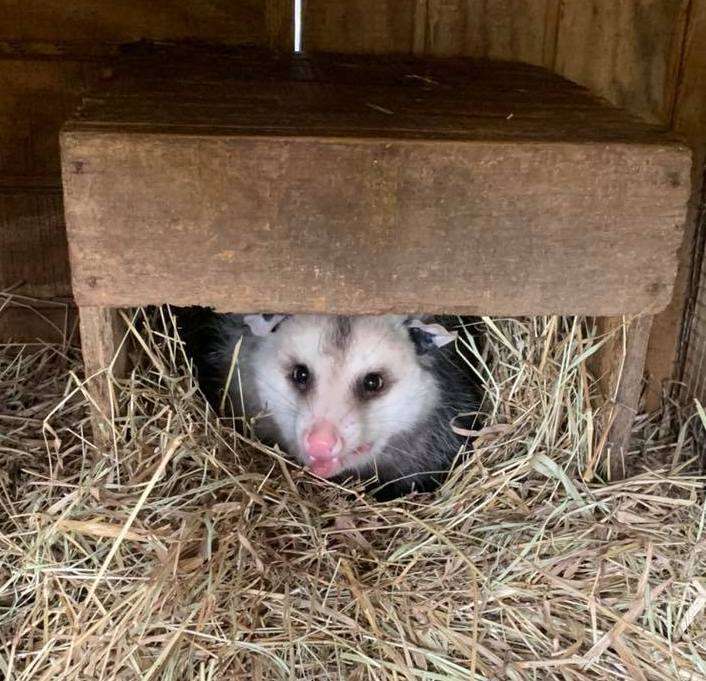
(327, 468)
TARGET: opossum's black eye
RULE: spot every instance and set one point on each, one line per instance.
(373, 383)
(300, 376)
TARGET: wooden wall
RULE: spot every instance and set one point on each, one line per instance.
(50, 51)
(645, 55)
(689, 117)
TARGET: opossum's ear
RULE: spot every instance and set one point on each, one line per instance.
(262, 324)
(428, 336)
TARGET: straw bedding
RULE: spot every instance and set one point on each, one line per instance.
(184, 551)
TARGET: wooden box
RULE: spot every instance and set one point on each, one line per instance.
(359, 185)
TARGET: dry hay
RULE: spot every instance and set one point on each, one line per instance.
(183, 551)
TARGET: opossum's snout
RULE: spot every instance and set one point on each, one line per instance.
(325, 449)
(322, 445)
(323, 441)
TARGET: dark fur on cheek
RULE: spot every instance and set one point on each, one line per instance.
(423, 341)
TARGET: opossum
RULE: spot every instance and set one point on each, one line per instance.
(368, 397)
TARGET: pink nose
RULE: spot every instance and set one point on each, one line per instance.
(323, 441)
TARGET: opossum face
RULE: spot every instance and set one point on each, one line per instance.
(340, 388)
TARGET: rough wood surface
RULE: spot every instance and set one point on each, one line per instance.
(625, 50)
(247, 92)
(102, 331)
(622, 371)
(673, 343)
(32, 321)
(50, 50)
(36, 97)
(514, 30)
(33, 251)
(317, 188)
(360, 26)
(517, 30)
(98, 21)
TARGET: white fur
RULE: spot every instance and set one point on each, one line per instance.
(376, 344)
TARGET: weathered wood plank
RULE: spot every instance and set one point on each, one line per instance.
(626, 51)
(314, 225)
(102, 331)
(33, 250)
(32, 321)
(331, 201)
(208, 20)
(518, 30)
(622, 369)
(676, 345)
(515, 30)
(37, 97)
(360, 26)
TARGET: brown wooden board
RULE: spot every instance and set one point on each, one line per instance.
(521, 30)
(625, 50)
(55, 21)
(360, 26)
(673, 341)
(36, 97)
(33, 252)
(349, 185)
(33, 321)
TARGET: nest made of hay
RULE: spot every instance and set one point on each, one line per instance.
(185, 551)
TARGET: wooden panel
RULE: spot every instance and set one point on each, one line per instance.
(226, 21)
(690, 109)
(33, 249)
(627, 51)
(229, 92)
(517, 30)
(365, 227)
(49, 51)
(362, 26)
(105, 357)
(690, 120)
(37, 97)
(620, 366)
(694, 370)
(307, 225)
(321, 170)
(37, 321)
(328, 180)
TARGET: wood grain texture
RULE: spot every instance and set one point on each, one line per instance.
(248, 92)
(33, 250)
(514, 30)
(359, 26)
(518, 30)
(104, 356)
(37, 97)
(109, 22)
(37, 321)
(671, 342)
(323, 203)
(627, 51)
(623, 366)
(50, 51)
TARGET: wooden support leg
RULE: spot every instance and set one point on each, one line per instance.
(622, 367)
(102, 331)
